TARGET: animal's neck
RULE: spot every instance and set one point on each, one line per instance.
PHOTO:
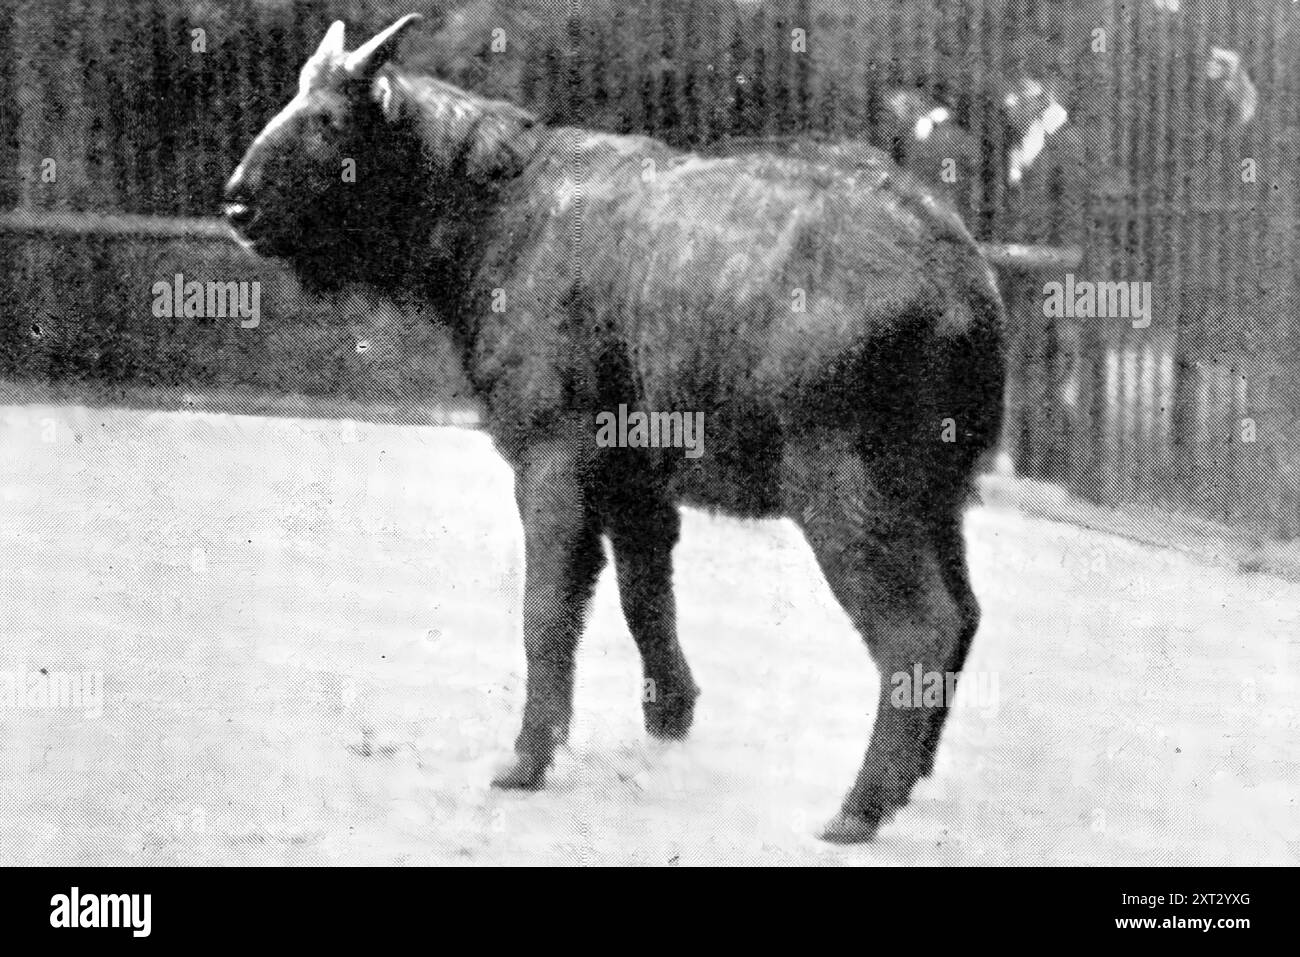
(467, 149)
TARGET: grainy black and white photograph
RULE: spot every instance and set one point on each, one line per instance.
(649, 433)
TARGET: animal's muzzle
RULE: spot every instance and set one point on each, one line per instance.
(240, 208)
(240, 215)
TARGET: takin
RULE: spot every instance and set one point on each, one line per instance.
(835, 331)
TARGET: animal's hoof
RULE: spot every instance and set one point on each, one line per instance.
(845, 828)
(671, 716)
(526, 774)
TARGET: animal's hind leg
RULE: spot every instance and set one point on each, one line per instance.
(951, 549)
(882, 565)
(643, 536)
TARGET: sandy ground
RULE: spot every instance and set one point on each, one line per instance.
(309, 638)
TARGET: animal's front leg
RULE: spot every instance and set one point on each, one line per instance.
(562, 560)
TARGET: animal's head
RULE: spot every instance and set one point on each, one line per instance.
(328, 166)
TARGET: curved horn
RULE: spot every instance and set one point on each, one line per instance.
(365, 61)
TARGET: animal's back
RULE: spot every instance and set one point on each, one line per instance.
(756, 269)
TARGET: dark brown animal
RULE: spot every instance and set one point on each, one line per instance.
(838, 330)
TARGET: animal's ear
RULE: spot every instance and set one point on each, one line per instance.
(366, 60)
(388, 98)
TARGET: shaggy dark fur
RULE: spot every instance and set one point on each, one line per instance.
(580, 271)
